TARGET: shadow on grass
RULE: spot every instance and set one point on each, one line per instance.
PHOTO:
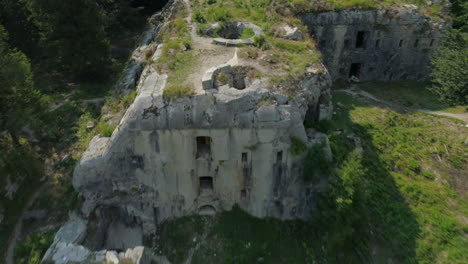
(408, 95)
(378, 227)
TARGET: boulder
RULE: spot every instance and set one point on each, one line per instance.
(35, 215)
(69, 253)
(292, 33)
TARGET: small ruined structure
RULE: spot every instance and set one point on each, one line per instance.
(386, 45)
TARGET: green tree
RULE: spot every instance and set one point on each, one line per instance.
(450, 64)
(75, 35)
(450, 69)
(19, 102)
(23, 31)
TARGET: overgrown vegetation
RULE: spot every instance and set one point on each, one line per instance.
(178, 59)
(450, 64)
(57, 56)
(291, 57)
(402, 200)
(33, 247)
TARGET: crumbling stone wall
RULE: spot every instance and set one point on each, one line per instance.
(376, 45)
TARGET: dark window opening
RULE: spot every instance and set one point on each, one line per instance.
(432, 42)
(346, 43)
(322, 43)
(203, 147)
(206, 184)
(371, 69)
(401, 43)
(243, 193)
(244, 157)
(390, 77)
(355, 70)
(416, 43)
(377, 43)
(361, 39)
(279, 156)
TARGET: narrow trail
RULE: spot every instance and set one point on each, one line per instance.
(15, 235)
(357, 92)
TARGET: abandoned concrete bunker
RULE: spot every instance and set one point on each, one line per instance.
(386, 45)
(230, 141)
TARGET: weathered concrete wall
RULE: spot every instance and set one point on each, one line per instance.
(396, 45)
(149, 167)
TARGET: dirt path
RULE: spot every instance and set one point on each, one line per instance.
(357, 92)
(15, 235)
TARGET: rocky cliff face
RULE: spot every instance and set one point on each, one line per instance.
(382, 45)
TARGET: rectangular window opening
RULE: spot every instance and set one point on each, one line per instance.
(243, 193)
(279, 156)
(203, 147)
(355, 70)
(244, 157)
(206, 184)
(361, 39)
(432, 42)
(377, 43)
(416, 43)
(401, 43)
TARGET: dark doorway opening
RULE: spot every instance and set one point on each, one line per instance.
(206, 184)
(355, 70)
(203, 147)
(279, 156)
(361, 39)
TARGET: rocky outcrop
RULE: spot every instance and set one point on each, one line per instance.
(66, 248)
(393, 44)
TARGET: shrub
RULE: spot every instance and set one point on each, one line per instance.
(105, 129)
(128, 99)
(259, 41)
(198, 17)
(297, 146)
(428, 175)
(316, 163)
(450, 69)
(247, 33)
(220, 14)
(31, 249)
(177, 91)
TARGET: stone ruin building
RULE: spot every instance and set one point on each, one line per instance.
(385, 45)
(230, 142)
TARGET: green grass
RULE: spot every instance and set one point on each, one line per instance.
(410, 149)
(409, 94)
(247, 33)
(399, 199)
(177, 237)
(177, 91)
